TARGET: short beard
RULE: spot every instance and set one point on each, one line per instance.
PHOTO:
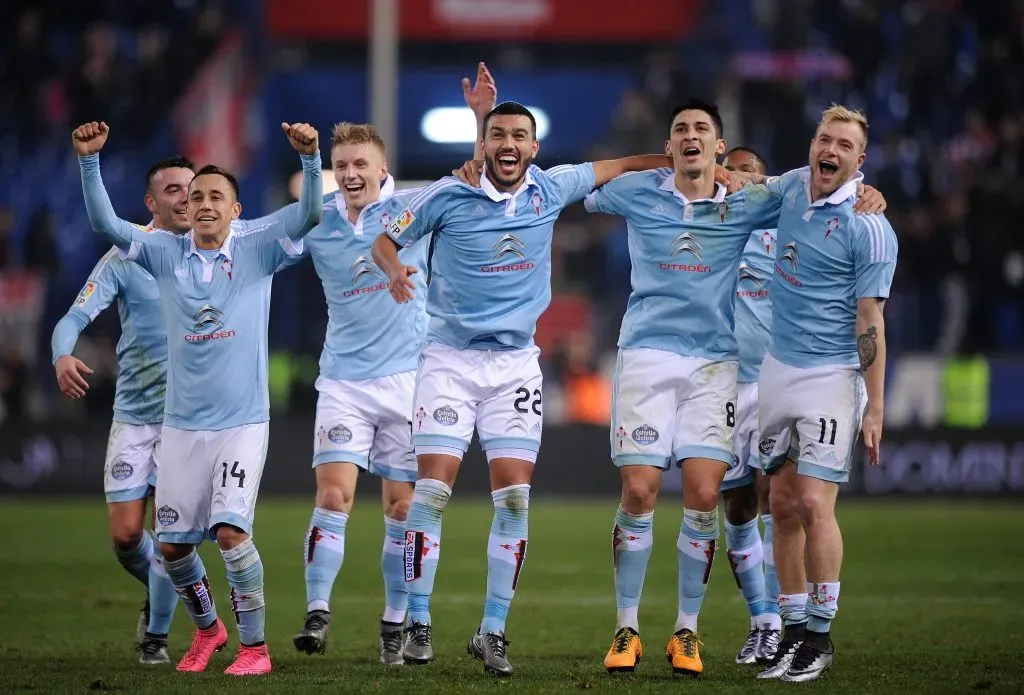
(495, 177)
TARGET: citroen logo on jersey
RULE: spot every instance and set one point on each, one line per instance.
(208, 319)
(748, 274)
(209, 325)
(791, 255)
(509, 245)
(687, 243)
(364, 266)
(751, 277)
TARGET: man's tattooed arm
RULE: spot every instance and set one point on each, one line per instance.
(871, 349)
(867, 347)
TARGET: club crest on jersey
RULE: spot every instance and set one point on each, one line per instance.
(402, 223)
(535, 202)
(227, 267)
(385, 220)
(87, 291)
(723, 210)
(831, 225)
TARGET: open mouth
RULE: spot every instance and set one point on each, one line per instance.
(181, 212)
(691, 152)
(507, 164)
(827, 169)
(206, 219)
(354, 188)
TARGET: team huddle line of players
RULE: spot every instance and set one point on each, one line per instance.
(741, 284)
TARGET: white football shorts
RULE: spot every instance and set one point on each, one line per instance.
(745, 440)
(668, 407)
(810, 415)
(208, 478)
(129, 471)
(499, 392)
(367, 422)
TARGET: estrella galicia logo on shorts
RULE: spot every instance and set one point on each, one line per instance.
(446, 415)
(645, 435)
(766, 446)
(166, 516)
(121, 470)
(339, 434)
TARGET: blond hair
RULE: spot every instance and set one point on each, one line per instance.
(358, 134)
(839, 113)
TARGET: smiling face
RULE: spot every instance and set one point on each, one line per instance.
(836, 154)
(359, 169)
(509, 150)
(212, 206)
(167, 198)
(693, 143)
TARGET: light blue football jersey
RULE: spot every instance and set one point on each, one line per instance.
(754, 304)
(142, 348)
(685, 255)
(215, 311)
(490, 272)
(828, 258)
(368, 333)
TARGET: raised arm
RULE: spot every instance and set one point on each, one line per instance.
(608, 169)
(88, 140)
(481, 97)
(296, 222)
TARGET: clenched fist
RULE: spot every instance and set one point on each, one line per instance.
(303, 137)
(89, 138)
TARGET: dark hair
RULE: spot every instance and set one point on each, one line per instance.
(211, 169)
(698, 105)
(172, 163)
(512, 108)
(753, 153)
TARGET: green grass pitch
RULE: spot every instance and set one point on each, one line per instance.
(931, 602)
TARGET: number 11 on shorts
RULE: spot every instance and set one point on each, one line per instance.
(235, 472)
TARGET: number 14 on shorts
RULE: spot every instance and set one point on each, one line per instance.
(234, 472)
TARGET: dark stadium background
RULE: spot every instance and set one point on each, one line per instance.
(940, 80)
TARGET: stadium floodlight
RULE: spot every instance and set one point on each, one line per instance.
(449, 125)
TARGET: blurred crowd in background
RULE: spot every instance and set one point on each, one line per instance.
(939, 80)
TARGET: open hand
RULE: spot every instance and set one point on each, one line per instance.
(69, 376)
(870, 201)
(401, 285)
(482, 95)
(470, 172)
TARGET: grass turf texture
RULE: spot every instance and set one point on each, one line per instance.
(931, 602)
